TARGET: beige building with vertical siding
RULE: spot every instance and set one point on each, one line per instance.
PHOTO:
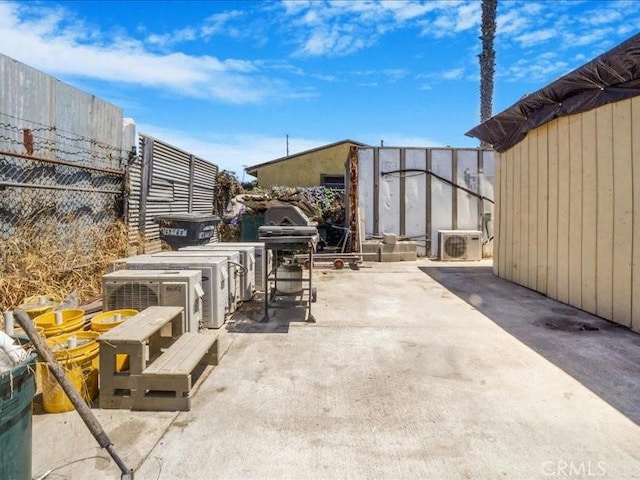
(567, 215)
(322, 166)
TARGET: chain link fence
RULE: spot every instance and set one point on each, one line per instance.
(51, 175)
(62, 208)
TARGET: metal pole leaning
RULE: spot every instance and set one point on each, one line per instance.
(81, 407)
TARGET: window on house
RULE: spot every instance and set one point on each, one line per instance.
(332, 181)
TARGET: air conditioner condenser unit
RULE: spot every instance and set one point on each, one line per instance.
(233, 268)
(247, 260)
(139, 289)
(459, 245)
(263, 258)
(215, 281)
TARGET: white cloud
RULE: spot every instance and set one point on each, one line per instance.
(216, 24)
(512, 22)
(453, 74)
(395, 74)
(468, 16)
(54, 42)
(533, 69)
(408, 10)
(536, 37)
(177, 36)
(233, 152)
(601, 17)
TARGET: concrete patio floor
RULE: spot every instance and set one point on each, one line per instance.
(417, 370)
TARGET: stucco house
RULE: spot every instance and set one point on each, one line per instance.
(322, 166)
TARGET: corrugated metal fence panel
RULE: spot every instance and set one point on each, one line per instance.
(64, 123)
(204, 182)
(135, 180)
(50, 133)
(398, 195)
(169, 188)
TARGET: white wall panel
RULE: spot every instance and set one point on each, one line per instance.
(467, 176)
(366, 188)
(389, 197)
(416, 196)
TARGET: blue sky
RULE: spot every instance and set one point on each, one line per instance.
(229, 80)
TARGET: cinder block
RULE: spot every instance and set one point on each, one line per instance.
(371, 257)
(371, 246)
(398, 256)
(389, 238)
(406, 246)
(399, 247)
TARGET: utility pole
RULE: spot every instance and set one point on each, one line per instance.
(287, 144)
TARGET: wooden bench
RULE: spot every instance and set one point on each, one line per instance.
(141, 338)
(166, 384)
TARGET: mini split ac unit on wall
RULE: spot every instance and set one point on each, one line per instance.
(139, 289)
(459, 245)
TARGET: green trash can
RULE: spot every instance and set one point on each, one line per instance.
(249, 227)
(17, 388)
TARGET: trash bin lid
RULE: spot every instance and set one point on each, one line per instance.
(188, 217)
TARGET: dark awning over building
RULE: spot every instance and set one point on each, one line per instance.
(613, 76)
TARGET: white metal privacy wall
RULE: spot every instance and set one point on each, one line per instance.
(414, 192)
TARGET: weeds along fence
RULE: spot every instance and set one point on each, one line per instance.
(62, 205)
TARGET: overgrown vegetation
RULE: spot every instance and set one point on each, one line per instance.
(48, 257)
(322, 205)
(227, 187)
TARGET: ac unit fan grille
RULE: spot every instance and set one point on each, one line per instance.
(455, 246)
(134, 295)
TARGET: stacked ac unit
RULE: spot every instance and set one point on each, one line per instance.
(233, 268)
(215, 281)
(139, 289)
(459, 245)
(263, 259)
(247, 259)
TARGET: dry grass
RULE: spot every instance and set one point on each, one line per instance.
(58, 258)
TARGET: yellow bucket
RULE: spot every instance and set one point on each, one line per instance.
(81, 364)
(72, 320)
(39, 304)
(105, 321)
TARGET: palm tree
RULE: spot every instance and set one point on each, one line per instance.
(487, 57)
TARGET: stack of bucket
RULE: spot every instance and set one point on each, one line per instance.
(103, 322)
(38, 304)
(76, 350)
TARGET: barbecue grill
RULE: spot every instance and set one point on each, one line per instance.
(289, 232)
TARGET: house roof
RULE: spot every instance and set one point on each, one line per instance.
(611, 77)
(253, 168)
